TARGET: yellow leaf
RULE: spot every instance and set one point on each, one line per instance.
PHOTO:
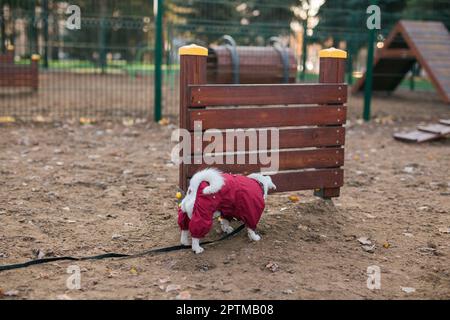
(386, 245)
(86, 120)
(7, 119)
(294, 198)
(133, 271)
(164, 121)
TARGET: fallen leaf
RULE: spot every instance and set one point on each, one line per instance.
(408, 169)
(183, 295)
(11, 293)
(173, 287)
(407, 234)
(272, 266)
(164, 121)
(7, 119)
(133, 271)
(408, 289)
(364, 241)
(368, 248)
(164, 280)
(294, 198)
(386, 245)
(86, 120)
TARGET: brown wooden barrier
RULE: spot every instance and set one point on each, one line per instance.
(12, 75)
(309, 117)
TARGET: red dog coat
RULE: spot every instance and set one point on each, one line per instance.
(240, 197)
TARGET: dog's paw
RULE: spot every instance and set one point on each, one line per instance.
(253, 235)
(198, 250)
(227, 229)
(196, 246)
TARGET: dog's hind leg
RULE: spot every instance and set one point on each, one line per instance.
(185, 238)
(196, 246)
(225, 225)
(252, 235)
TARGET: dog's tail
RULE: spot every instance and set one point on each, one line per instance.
(210, 175)
(266, 181)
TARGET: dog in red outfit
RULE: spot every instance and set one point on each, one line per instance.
(212, 193)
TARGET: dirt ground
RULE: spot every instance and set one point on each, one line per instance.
(67, 189)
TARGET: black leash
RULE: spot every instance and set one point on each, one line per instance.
(112, 254)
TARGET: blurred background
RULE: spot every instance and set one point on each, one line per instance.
(122, 55)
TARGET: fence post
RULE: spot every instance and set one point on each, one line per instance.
(159, 48)
(332, 70)
(35, 70)
(369, 75)
(304, 50)
(192, 71)
(44, 5)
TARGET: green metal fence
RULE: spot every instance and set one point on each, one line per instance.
(110, 69)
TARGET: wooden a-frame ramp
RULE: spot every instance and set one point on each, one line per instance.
(426, 42)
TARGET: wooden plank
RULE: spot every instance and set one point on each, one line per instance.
(445, 121)
(267, 117)
(396, 54)
(441, 129)
(274, 94)
(287, 160)
(289, 138)
(416, 136)
(307, 180)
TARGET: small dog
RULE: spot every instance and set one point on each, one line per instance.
(212, 194)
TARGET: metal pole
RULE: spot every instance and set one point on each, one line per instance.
(102, 36)
(2, 30)
(350, 62)
(304, 50)
(46, 44)
(158, 11)
(369, 75)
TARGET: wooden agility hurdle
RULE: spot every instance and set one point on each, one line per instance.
(13, 75)
(310, 119)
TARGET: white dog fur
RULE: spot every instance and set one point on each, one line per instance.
(216, 181)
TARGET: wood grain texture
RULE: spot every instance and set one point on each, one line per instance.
(274, 94)
(287, 160)
(267, 117)
(289, 138)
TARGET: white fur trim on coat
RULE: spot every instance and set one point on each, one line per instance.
(212, 176)
(266, 181)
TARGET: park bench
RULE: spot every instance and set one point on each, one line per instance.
(309, 119)
(13, 75)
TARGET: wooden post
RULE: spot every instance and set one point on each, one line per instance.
(332, 70)
(192, 71)
(35, 71)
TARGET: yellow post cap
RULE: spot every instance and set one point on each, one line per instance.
(10, 47)
(333, 53)
(193, 50)
(35, 57)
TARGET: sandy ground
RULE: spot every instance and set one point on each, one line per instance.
(67, 189)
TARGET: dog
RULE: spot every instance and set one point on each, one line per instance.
(212, 194)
